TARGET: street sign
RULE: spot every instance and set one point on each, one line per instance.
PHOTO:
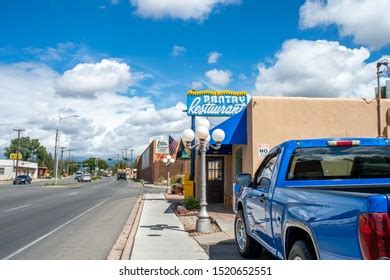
(263, 150)
(15, 156)
(212, 103)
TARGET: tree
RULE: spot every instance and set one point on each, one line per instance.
(91, 162)
(118, 166)
(31, 150)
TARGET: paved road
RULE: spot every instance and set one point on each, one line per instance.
(79, 222)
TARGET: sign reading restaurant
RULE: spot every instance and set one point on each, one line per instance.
(223, 103)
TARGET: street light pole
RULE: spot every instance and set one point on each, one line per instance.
(168, 161)
(378, 97)
(58, 133)
(202, 144)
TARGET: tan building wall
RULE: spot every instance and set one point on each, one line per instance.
(273, 120)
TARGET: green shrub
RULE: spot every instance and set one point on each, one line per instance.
(96, 178)
(191, 203)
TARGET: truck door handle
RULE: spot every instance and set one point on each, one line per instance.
(262, 198)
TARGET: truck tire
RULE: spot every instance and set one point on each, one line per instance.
(301, 251)
(246, 245)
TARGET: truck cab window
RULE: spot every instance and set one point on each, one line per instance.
(267, 171)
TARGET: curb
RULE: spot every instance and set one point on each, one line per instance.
(124, 244)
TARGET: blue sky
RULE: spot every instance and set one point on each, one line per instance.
(256, 41)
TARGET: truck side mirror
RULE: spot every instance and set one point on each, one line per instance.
(244, 179)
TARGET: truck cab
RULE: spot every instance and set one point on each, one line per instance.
(318, 199)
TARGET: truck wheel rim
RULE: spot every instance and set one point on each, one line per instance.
(241, 234)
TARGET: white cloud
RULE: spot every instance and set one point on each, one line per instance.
(107, 123)
(242, 76)
(318, 69)
(219, 77)
(88, 79)
(178, 50)
(185, 10)
(366, 20)
(213, 57)
(196, 85)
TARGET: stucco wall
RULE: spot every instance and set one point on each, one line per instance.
(274, 120)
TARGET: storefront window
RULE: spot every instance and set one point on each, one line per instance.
(238, 161)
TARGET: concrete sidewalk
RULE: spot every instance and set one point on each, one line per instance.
(161, 235)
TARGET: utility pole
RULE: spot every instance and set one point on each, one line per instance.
(62, 157)
(131, 157)
(19, 130)
(55, 154)
(67, 166)
(126, 158)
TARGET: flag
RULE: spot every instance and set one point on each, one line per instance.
(172, 145)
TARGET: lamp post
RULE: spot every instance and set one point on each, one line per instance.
(168, 161)
(384, 63)
(202, 144)
(57, 144)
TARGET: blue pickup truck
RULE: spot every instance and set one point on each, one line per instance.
(317, 199)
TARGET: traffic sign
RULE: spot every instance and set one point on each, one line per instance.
(15, 156)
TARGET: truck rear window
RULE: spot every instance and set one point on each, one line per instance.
(326, 163)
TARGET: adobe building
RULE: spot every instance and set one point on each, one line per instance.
(150, 166)
(269, 121)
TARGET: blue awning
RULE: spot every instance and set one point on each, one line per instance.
(235, 129)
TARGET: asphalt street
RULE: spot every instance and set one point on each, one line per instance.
(81, 221)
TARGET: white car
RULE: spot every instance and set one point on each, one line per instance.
(85, 178)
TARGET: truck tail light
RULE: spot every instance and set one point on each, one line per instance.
(343, 143)
(374, 235)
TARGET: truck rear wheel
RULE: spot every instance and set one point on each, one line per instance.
(246, 245)
(301, 251)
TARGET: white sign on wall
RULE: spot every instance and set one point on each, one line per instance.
(162, 147)
(263, 150)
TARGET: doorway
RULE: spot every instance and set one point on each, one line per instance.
(215, 179)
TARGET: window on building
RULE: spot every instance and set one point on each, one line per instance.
(238, 161)
(1, 171)
(215, 170)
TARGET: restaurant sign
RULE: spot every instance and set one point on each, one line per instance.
(162, 147)
(223, 103)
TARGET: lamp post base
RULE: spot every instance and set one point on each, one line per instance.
(203, 225)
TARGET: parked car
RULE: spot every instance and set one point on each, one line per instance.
(78, 176)
(121, 176)
(22, 179)
(86, 177)
(318, 199)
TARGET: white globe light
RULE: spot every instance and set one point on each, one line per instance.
(169, 157)
(165, 160)
(172, 160)
(218, 135)
(203, 122)
(202, 132)
(188, 135)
